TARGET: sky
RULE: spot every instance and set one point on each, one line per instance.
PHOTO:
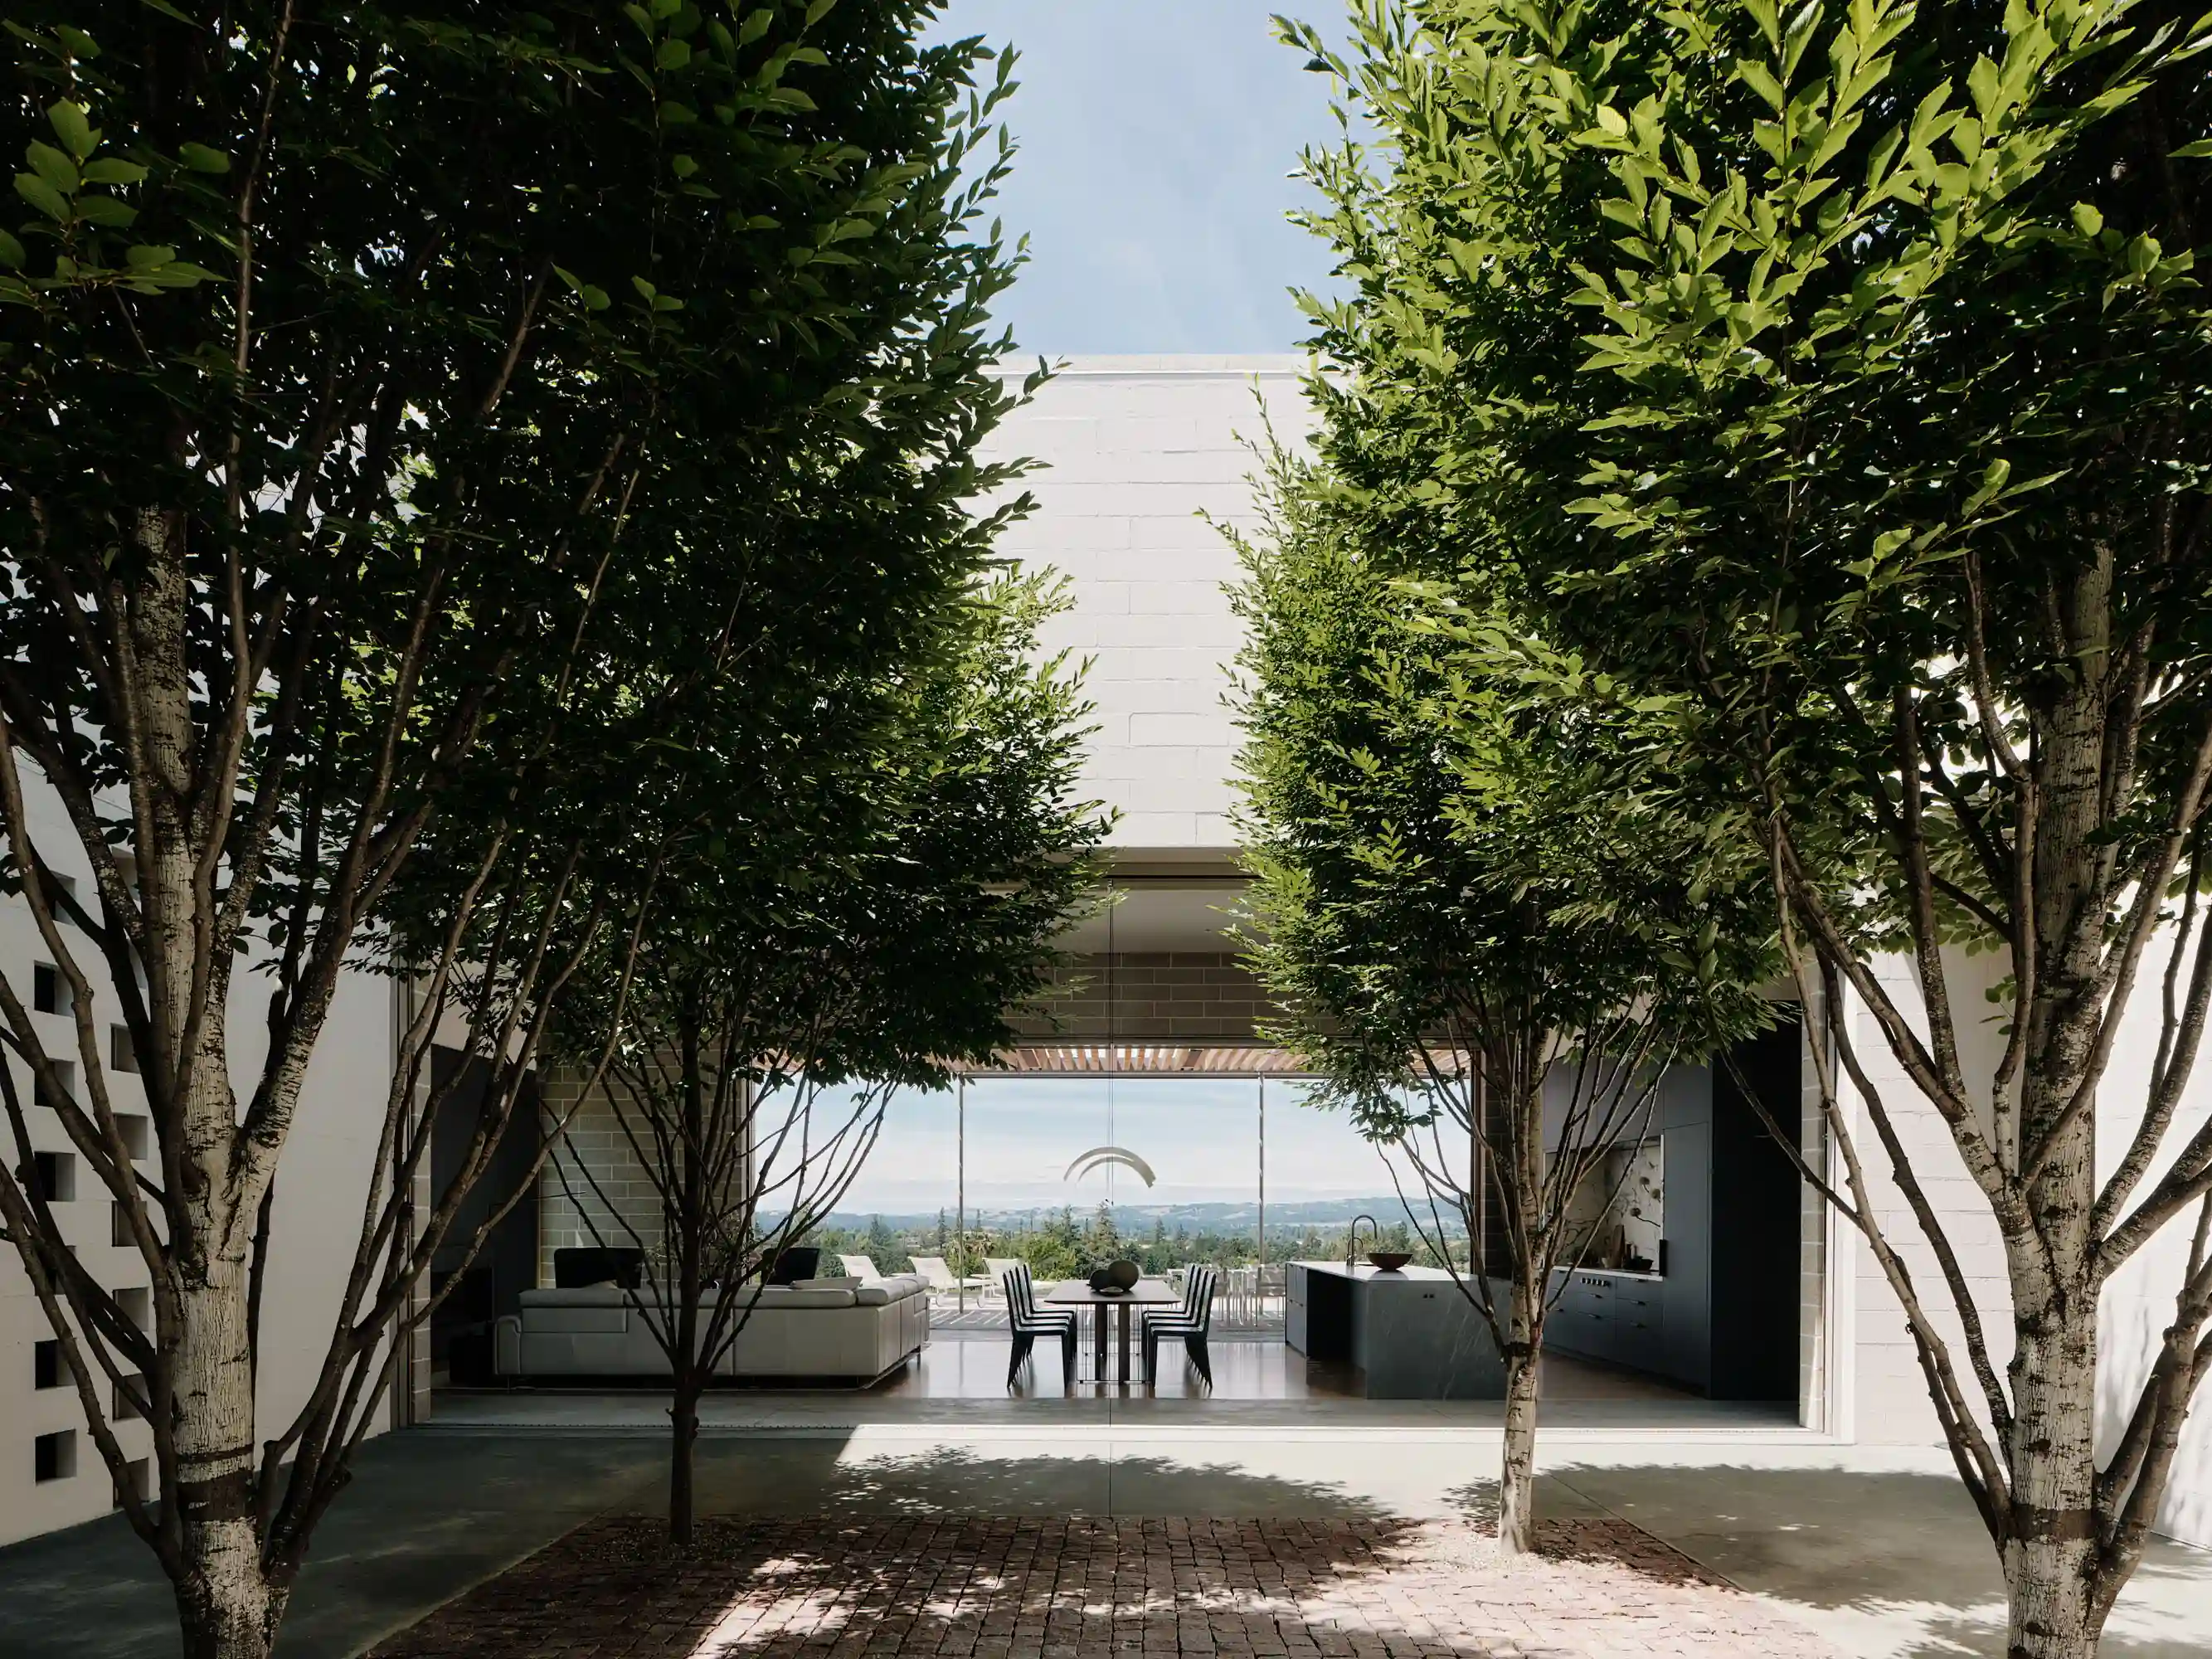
(1157, 141)
(1199, 1136)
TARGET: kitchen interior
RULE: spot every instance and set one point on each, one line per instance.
(1688, 1270)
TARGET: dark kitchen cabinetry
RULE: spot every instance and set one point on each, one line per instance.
(1721, 1318)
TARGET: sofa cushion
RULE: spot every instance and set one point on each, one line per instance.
(579, 1321)
(790, 1296)
(827, 1284)
(878, 1292)
(584, 1296)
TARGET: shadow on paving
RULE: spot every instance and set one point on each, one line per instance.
(1893, 1562)
(430, 1515)
(901, 1588)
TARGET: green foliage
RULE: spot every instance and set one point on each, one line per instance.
(1465, 844)
(1838, 382)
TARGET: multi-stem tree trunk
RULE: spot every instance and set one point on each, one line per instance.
(1517, 1477)
(226, 1604)
(2052, 1552)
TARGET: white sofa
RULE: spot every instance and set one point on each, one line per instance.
(850, 1332)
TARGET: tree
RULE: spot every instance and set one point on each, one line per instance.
(878, 936)
(1845, 380)
(407, 421)
(1491, 929)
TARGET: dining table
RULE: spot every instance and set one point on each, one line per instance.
(1077, 1293)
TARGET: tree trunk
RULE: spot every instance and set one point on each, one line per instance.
(226, 1603)
(2050, 1557)
(2050, 1552)
(1517, 1477)
(684, 1422)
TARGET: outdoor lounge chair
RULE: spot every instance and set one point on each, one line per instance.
(857, 1267)
(997, 1267)
(1028, 1322)
(936, 1273)
(1191, 1323)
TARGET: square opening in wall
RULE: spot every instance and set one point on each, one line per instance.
(48, 1369)
(138, 1476)
(56, 1175)
(53, 1457)
(137, 1133)
(65, 1075)
(122, 1057)
(50, 992)
(119, 1407)
(118, 1224)
(136, 1305)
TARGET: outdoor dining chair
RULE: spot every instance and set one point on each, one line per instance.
(1191, 1326)
(1028, 1322)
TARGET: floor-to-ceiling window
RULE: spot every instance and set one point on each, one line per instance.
(1067, 1172)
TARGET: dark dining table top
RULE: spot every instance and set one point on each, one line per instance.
(1077, 1292)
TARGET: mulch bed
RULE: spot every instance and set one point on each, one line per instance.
(990, 1588)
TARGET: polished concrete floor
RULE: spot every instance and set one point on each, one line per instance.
(961, 1378)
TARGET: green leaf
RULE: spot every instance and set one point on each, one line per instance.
(105, 210)
(201, 159)
(112, 170)
(73, 129)
(144, 254)
(44, 196)
(754, 26)
(2201, 147)
(11, 252)
(2086, 219)
(56, 168)
(818, 10)
(672, 54)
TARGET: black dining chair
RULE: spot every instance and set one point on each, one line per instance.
(1028, 1322)
(1192, 1323)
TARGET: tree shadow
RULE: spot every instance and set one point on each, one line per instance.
(911, 1584)
(1889, 1561)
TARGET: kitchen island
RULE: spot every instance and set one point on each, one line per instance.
(1411, 1335)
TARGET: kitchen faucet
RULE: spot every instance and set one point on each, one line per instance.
(1351, 1237)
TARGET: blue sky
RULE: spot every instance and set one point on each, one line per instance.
(1156, 138)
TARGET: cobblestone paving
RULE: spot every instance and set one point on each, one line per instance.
(1101, 1589)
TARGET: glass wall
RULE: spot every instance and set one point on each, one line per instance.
(1066, 1173)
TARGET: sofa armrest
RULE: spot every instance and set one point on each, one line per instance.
(507, 1345)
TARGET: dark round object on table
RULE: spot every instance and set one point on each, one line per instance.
(1389, 1262)
(1115, 1277)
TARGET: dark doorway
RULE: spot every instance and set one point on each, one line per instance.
(507, 1265)
(1756, 1245)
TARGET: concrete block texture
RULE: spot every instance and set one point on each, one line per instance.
(1143, 460)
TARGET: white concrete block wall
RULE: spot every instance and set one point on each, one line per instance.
(1887, 1391)
(314, 1219)
(1136, 450)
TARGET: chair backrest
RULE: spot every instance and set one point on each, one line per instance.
(1202, 1300)
(1021, 1303)
(998, 1266)
(859, 1267)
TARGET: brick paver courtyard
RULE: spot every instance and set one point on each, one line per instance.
(1098, 1590)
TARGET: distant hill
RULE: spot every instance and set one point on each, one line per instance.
(1214, 1218)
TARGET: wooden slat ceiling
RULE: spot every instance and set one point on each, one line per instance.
(1155, 1058)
